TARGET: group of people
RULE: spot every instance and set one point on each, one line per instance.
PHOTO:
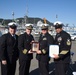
(13, 47)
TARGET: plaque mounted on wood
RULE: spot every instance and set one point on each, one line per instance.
(35, 46)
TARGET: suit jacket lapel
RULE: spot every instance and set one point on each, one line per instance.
(12, 39)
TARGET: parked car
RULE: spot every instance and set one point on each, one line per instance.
(73, 36)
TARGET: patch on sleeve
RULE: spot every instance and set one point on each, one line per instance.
(24, 51)
(44, 51)
(68, 42)
(64, 52)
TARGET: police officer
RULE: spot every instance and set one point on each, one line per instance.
(62, 60)
(9, 50)
(25, 56)
(45, 40)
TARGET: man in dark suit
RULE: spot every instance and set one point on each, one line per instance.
(24, 44)
(62, 60)
(9, 50)
(45, 40)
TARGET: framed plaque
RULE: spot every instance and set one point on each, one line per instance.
(35, 46)
(53, 49)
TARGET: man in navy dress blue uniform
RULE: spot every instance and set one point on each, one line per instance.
(9, 50)
(45, 40)
(63, 39)
(25, 55)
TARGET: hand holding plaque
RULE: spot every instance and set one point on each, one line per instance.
(35, 46)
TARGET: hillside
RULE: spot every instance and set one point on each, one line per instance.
(22, 20)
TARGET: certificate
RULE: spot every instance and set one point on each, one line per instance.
(53, 49)
(35, 46)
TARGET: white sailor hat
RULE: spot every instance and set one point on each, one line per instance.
(58, 24)
(12, 25)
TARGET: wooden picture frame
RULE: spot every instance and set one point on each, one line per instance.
(35, 46)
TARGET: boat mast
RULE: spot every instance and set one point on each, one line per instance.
(56, 17)
(26, 14)
(13, 16)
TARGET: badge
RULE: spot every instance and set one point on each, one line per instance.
(44, 38)
(68, 42)
(59, 39)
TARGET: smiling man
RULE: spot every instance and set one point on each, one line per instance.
(62, 39)
(24, 44)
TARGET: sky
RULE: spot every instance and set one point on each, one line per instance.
(64, 9)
